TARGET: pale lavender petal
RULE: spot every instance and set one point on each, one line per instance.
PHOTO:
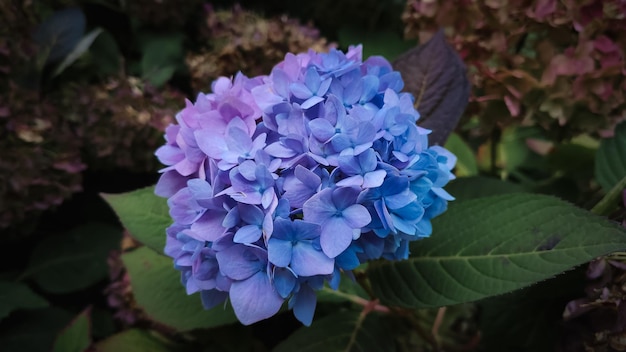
(268, 197)
(356, 216)
(336, 237)
(352, 181)
(279, 252)
(319, 207)
(169, 154)
(254, 299)
(240, 262)
(322, 129)
(186, 167)
(278, 150)
(442, 193)
(300, 91)
(307, 177)
(344, 197)
(312, 79)
(212, 144)
(200, 189)
(247, 234)
(169, 183)
(324, 86)
(312, 101)
(374, 179)
(307, 261)
(251, 214)
(399, 200)
(209, 227)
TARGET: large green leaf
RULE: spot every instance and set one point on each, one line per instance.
(74, 260)
(76, 337)
(344, 331)
(33, 330)
(135, 340)
(157, 290)
(493, 245)
(15, 295)
(611, 159)
(144, 214)
(466, 188)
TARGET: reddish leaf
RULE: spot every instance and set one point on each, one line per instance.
(435, 75)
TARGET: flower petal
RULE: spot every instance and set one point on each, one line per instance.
(304, 305)
(356, 216)
(336, 237)
(240, 262)
(247, 234)
(307, 261)
(254, 299)
(279, 252)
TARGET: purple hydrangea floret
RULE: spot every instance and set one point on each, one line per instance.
(277, 184)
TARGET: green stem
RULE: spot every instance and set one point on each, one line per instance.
(610, 201)
(375, 306)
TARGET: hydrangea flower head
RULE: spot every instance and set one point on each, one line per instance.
(278, 183)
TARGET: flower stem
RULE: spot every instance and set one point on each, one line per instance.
(609, 202)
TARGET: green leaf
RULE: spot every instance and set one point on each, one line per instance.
(343, 331)
(611, 159)
(76, 337)
(102, 323)
(612, 200)
(60, 33)
(348, 290)
(466, 163)
(78, 51)
(466, 188)
(158, 291)
(106, 55)
(74, 260)
(145, 215)
(33, 330)
(574, 160)
(514, 152)
(162, 56)
(528, 319)
(135, 340)
(383, 43)
(15, 295)
(493, 245)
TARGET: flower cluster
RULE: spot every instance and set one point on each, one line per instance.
(558, 64)
(239, 40)
(278, 183)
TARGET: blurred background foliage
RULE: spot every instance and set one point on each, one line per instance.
(88, 87)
